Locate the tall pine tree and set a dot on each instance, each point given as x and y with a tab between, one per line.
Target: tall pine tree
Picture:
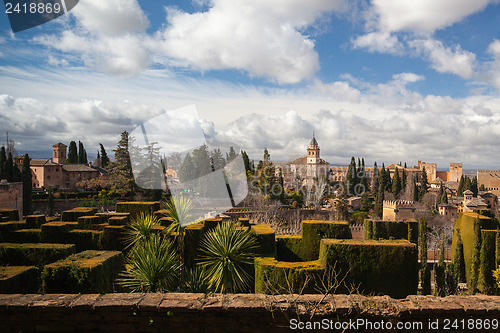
27	185
82	154
423	184
3	160
375	176
379	202
72	153
396	184
9	168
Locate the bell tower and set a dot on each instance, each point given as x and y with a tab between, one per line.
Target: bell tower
313	152
59	153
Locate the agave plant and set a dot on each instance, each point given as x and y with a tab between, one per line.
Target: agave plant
140	229
194	281
151	266
179	210
226	256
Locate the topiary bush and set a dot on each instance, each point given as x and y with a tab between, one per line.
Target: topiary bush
19	280
137	207
391	230
33	254
35	221
9	214
72	215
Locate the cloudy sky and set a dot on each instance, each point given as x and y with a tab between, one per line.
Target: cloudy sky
385	80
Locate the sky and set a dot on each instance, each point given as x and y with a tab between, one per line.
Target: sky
387	80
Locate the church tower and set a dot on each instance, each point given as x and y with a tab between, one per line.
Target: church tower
313	159
59	153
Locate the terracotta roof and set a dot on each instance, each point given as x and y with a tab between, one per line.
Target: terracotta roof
59	144
468	192
42	162
303	160
475	202
437	180
77	168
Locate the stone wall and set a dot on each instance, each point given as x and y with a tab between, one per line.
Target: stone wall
11	196
175	312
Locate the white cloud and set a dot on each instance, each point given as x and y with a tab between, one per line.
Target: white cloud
444	59
492	71
339	90
423	16
382	42
260	37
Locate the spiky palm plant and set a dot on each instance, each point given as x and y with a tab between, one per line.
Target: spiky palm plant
140	229
152	265
194	281
179	210
226	256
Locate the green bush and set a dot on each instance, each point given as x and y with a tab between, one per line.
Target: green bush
35	221
9	214
266	240
85	272
84	239
113	237
278	277
56	232
314	231
289	248
33	254
389	267
19	280
137	207
88	221
73	214
106	216
487	262
391	230
23	236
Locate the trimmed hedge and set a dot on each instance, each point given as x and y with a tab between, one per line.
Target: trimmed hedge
118	220
112	237
389	267
84	239
56	232
210	224
266	239
289	248
487	283
465	223
35	221
192	236
73	214
33	254
88	221
244	222
11	226
137	207
314	231
23	236
84	272
278	277
19	280
106	216
9	214
391	230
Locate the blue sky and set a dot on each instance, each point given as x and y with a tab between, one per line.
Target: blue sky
386	80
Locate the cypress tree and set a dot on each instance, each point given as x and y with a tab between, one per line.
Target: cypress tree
122	154
396	184
186	172
450	279
27	185
82	154
403	179
439	272
423	184
444	198
72	153
364	179
475	259
9	168
365	202
382	178
3	160
387	180
482	188
415	190
425	274
246	162
460	189
473	186
350	177
375	175
458	260
379	202
486	283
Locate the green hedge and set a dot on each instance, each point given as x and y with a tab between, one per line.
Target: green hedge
33	254
314	231
85	272
465	223
112	237
73	214
278	277
118	220
289	248
19	280
137	207
106	216
35	221
266	239
389	267
192	237
210	224
487	283
88	221
11	226
84	239
9	214
56	232
23	236
244	222
391	230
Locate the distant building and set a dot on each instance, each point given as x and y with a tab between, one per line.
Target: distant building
490	179
309	168
398	210
467	203
53	172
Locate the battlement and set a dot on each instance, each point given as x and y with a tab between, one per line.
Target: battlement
398	204
488	171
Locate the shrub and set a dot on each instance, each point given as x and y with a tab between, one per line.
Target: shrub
19	280
135	208
73	214
33	254
9	214
486	283
35	221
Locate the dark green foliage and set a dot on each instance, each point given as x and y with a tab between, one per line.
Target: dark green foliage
72	153
289	248
425	273
351	177
396	184
439	273
85	239
375	178
3	160
358	217
497	249
113	237
392	230
82	154
265	239
473	186
104	156
486	281
387	267
136	208
9	168
475	259
152	266
458	261
27	185
424	184
194	280
51	203
314	231
226	256
379	201
33	254
404	178
35	221
85	272
23	236
277	277
451	282
415	190
9	214
122	155
249	167
19	280
73	214
106	216
366	203
85	222
187	170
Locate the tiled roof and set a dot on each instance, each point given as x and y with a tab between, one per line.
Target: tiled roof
475	202
77	168
59	144
42	162
468	192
